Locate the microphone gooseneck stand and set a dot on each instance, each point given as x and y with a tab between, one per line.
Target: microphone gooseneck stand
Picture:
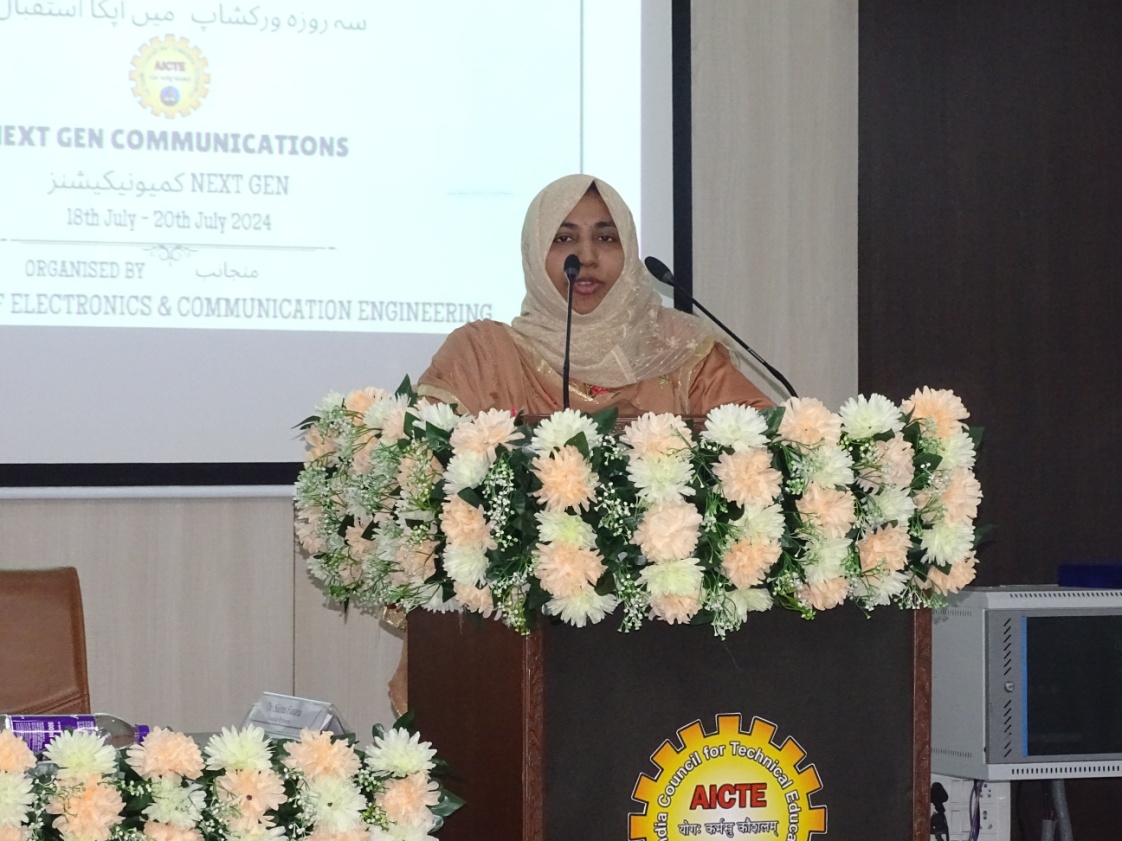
572	269
663	273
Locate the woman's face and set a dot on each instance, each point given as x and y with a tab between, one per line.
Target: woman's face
588	232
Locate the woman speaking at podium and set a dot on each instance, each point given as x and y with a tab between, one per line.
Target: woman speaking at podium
628	351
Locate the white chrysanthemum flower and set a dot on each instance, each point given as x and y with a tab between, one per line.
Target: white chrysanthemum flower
661	478
175	804
586	607
440	415
881	591
740	427
398	832
238	750
673	578
830	466
826	558
957	450
750	599
332	402
255	832
15	798
890	505
380	411
465	470
400	753
761	525
560	428
465	563
78	753
430	597
559	527
336	804
944	543
864	417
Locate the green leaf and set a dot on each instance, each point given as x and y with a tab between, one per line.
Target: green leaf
406	389
975	433
448	804
408	720
774	416
471	496
605	420
581	443
311	420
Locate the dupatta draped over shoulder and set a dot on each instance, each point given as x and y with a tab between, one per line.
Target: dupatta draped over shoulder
630	352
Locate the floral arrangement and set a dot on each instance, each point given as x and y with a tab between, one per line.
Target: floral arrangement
404	502
242	786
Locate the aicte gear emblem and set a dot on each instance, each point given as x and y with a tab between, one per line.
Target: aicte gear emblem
170	77
732	783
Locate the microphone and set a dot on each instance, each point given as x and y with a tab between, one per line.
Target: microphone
572	269
660	270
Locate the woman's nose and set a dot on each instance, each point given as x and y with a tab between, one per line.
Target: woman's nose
587	253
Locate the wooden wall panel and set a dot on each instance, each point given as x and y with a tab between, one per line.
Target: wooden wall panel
775	183
188	602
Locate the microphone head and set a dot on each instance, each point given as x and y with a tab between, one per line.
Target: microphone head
572	267
660	270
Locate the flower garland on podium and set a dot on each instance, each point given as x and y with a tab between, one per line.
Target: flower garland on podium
242	786
406	503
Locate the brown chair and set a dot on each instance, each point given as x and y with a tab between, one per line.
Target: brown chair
42	642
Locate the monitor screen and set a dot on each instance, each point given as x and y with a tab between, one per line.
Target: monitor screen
1073	685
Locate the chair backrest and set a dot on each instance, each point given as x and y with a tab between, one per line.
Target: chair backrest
42	642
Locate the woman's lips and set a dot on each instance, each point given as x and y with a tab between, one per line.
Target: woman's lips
586	285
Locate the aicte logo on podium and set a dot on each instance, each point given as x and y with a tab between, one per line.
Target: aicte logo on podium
731	783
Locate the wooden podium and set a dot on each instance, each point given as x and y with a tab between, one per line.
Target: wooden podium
547	735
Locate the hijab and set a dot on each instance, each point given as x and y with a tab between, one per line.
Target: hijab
630	336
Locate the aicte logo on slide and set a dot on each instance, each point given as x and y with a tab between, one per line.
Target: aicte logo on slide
732	783
169	76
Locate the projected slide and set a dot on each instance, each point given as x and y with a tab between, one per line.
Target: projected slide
214	213
348	166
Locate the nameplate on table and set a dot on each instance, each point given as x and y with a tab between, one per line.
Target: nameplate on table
284	716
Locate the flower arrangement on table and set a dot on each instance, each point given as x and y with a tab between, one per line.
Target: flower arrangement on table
241	786
403	502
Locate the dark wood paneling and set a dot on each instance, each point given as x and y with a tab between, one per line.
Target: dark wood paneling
990	262
990	252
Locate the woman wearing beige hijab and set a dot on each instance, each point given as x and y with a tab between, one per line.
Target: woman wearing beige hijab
628	350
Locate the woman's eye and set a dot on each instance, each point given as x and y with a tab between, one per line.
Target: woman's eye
563	238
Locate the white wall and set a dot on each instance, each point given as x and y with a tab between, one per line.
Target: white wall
193	606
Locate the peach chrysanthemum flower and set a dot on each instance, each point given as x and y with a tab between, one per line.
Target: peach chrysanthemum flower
407	800
253	792
747	562
360	549
87	809
318	755
363	460
747	478
897	468
15	756
15	833
675	610
465	525
941	408
652	434
961	497
164	753
476	599
318	445
565	570
485	433
320	833
958	576
669	531
884	550
567	479
807	421
170	832
307	530
417	561
831	511
361	400
823	595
